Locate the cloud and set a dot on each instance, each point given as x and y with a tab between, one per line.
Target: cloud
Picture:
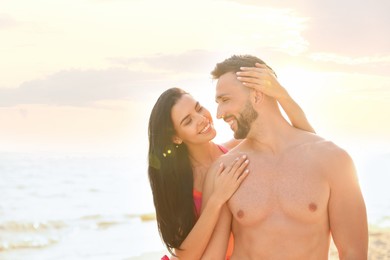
6	21
346	36
351	61
375	64
83	87
135	78
350	27
143	78
192	61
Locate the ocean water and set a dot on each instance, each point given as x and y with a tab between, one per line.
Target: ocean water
75	207
98	207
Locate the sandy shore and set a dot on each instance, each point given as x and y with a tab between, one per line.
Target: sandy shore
379	247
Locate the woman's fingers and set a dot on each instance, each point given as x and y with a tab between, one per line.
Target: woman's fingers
236	164
241	169
229	168
257	81
253	73
221	167
258	67
260	70
237	167
228	181
263	79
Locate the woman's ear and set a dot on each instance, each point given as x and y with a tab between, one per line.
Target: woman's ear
176	140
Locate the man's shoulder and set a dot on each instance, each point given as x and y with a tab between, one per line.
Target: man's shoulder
329	148
229	157
322	145
226	159
329	155
324	150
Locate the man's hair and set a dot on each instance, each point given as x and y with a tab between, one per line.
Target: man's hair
234	63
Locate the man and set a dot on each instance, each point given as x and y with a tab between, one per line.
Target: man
301	189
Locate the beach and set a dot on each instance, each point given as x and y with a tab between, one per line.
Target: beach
98	208
379	247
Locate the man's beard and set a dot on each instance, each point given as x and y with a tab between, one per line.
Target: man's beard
247	116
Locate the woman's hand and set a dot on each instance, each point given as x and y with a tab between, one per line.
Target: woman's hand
263	79
228	179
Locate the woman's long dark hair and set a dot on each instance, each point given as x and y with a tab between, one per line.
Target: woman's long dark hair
170	174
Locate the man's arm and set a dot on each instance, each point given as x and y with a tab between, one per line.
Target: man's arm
347	211
217	246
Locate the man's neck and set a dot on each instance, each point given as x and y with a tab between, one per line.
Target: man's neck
271	132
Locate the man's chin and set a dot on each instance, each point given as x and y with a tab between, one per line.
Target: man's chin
237	136
240	135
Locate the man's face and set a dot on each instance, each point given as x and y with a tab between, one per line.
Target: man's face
244	121
234	105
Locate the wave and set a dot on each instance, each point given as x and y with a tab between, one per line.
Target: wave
98	220
148	217
27	243
143	216
15	235
16	226
29	235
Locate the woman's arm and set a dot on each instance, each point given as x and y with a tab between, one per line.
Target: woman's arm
225	182
263	79
295	113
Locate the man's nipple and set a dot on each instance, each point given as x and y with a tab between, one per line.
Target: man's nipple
312	207
240	213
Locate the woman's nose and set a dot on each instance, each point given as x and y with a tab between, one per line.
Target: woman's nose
200	119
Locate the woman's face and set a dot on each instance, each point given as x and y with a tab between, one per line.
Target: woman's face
192	122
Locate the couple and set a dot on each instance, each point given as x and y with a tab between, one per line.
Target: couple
275	192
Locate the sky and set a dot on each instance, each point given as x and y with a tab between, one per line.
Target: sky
81	76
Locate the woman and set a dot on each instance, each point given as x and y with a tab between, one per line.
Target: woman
180	153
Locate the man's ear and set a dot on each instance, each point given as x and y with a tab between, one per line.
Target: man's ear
176	140
258	96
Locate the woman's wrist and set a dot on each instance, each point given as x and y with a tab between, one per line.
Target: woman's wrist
215	202
284	97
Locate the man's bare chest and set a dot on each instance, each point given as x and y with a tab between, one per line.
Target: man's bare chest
292	189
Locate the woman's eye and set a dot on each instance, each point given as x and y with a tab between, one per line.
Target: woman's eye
188	122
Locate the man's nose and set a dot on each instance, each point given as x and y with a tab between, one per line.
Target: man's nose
220	113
